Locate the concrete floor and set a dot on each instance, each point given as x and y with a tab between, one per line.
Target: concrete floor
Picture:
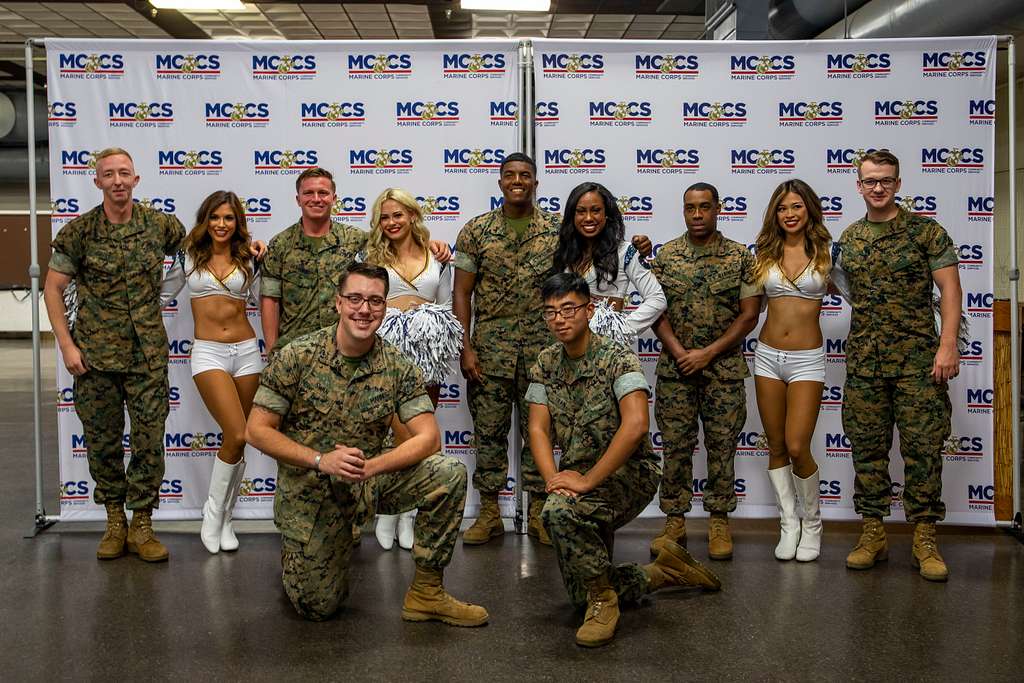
64	615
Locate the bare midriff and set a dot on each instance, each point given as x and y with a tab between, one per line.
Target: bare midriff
792	324
221	319
406	301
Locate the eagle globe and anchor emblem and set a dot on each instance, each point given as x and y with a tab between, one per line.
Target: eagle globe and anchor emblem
429	111
189	64
667	64
428	205
237	111
92	64
287	159
141	111
285	65
955	156
812	111
380	64
764	158
860	62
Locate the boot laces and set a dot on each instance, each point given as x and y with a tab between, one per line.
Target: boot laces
719	527
144	528
596	605
926	540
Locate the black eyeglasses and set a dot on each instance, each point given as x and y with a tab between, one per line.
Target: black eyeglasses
568	312
872	183
356	301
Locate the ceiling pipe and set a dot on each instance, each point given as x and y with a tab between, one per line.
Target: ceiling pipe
915	18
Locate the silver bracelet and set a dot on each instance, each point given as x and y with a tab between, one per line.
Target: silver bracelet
316	461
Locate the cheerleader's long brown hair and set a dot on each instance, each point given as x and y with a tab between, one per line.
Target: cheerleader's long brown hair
199	244
768	247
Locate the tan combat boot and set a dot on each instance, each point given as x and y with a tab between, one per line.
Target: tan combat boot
141	540
535	525
719	538
427	600
488	524
112	544
675	531
926	555
602	613
872	546
676	567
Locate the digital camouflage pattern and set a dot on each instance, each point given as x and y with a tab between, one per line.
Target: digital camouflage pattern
118	270
508	333
305	278
721	406
892	327
704	286
325	401
583	399
922	410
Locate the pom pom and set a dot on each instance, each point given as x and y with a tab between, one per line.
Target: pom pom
429	335
613	324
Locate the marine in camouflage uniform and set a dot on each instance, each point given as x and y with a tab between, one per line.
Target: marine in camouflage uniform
324	400
118	270
508	333
889	355
704	286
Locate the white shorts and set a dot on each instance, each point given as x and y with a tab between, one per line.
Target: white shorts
236	359
789	366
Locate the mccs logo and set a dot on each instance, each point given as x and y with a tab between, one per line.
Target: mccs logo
332	114
835	351
837	445
91	66
980	209
179	350
504	113
458	441
981	112
964	448
422	114
477	160
805	114
979	304
906	112
858	65
74	492
283	67
379	67
77	162
380	161
648	349
752	444
439	208
257	487
563	161
732	209
163	204
546	113
185	444
348	207
952	160
140	114
476	65
636	208
66	400
171	491
257	209
450	396
666	67
765	161
283	162
844	159
973	354
972	256
953	64
63	209
762	67
237	114
667	161
190	162
832	397
609	113
560	65
981	497
923	205
61	114
187	67
979	401
714	114
831	207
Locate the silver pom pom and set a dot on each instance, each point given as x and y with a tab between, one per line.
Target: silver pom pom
613	324
429	335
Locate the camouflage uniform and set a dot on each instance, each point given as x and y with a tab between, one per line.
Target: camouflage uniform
890	351
583	398
323	401
703	286
120	331
508	333
305	280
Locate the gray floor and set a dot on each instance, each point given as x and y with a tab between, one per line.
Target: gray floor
64	615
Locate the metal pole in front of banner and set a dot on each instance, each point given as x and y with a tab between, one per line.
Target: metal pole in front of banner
41	521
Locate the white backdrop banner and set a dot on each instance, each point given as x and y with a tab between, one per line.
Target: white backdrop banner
649	119
435	118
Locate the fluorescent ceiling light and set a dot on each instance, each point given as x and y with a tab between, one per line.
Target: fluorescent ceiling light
508	5
199	5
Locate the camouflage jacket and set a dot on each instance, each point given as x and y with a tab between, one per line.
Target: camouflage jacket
323	401
892	327
506	296
305	280
118	270
704	286
583	399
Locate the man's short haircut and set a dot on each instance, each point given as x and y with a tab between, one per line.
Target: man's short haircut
366	270
520	157
560	284
112	152
315	172
880	156
703	187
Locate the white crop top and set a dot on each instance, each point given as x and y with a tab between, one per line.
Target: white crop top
201	283
433	284
810	284
632	272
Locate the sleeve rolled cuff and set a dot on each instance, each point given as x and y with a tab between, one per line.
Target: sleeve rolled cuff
62	264
270	286
463	261
748	289
627	384
272	401
943	260
536	393
413	407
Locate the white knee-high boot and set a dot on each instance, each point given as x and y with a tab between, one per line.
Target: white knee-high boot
406	522
385	530
785	497
213	509
810	504
228	540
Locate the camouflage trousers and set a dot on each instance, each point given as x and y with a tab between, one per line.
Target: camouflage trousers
921	410
100	400
490	404
721	407
582	531
315	574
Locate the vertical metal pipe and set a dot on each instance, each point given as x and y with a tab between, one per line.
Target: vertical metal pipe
1011	66
527	106
33	272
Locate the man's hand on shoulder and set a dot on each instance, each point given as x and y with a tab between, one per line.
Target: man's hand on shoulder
441	251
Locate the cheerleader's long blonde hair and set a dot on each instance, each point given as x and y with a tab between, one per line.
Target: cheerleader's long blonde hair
379	249
768	247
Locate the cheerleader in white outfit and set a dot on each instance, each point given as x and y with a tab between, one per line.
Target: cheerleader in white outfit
591	242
